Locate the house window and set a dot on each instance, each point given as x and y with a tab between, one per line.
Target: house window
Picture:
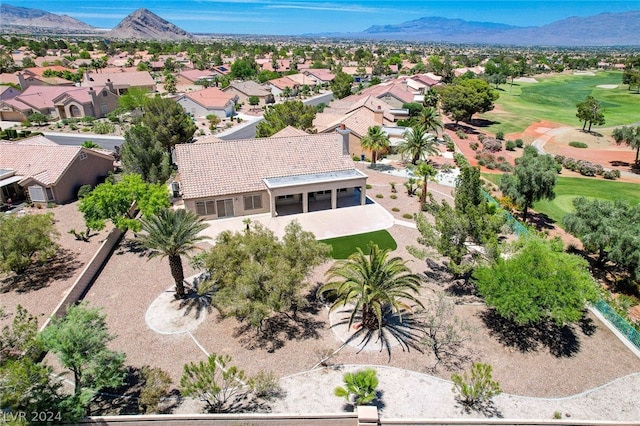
342	190
36	193
285	197
104	93
83	156
252	202
206	208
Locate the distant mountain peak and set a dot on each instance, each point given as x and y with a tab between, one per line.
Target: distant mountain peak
146	25
14	16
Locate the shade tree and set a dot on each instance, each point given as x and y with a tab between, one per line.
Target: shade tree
375	140
25	240
288	113
591	112
466	97
143	154
628	135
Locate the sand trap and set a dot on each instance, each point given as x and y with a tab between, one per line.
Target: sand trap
542	130
608	86
589	73
526	80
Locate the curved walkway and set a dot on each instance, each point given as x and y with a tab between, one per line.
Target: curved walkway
405	393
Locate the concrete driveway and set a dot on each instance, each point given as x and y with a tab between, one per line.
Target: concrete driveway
324	224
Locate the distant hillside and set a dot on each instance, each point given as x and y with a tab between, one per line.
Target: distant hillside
146	25
17	17
605	29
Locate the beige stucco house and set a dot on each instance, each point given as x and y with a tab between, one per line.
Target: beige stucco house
280	175
40	170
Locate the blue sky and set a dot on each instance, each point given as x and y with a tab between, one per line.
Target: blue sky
294	17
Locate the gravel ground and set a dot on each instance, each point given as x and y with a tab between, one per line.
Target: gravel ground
130	282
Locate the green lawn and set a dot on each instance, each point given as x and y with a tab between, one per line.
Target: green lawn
343	247
568	188
554	98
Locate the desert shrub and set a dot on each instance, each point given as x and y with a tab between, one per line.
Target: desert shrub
395	209
156	386
510	146
475	388
461	134
577	144
356	158
599	169
369	186
616	173
519	143
505	167
104	127
609	174
88	119
491	165
501	159
570	163
474	145
500	135
393	196
379	196
559	158
586	168
482	162
492	145
265	385
451	147
393	186
460	159
481	137
407	216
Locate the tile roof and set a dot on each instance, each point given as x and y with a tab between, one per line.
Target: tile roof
211	97
238	166
195	75
39	159
248	88
41	97
289	131
321	74
119	78
396	89
283	82
302	79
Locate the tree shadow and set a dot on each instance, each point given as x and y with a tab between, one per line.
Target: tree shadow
540	220
279	329
486	408
460	126
61	266
195	300
481	122
404	329
561	341
132	246
381	167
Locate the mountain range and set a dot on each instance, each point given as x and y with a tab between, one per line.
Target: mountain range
605	29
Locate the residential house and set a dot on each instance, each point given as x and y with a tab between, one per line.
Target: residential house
280	175
195	77
421	83
321	76
35	77
394	92
279	85
279	65
121	79
303	80
208	101
8	92
59	102
42	171
245	89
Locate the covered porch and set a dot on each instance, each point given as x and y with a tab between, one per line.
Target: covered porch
316	192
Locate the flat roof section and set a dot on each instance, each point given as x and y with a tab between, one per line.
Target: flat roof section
285	181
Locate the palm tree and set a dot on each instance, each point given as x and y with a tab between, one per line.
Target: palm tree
374	283
375	140
418	144
172	233
427	172
430	119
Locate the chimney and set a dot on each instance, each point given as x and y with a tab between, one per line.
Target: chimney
378	116
344	132
110	85
94	99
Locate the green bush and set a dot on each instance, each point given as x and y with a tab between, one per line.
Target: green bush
461	134
577	144
156	386
407	216
519	143
510	146
265	385
84	190
369	186
379	196
500	135
451	146
393	196
359	388
477	387
395	209
104	127
474	145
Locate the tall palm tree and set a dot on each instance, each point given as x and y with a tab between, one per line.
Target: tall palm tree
375	140
430	119
172	233
374	283
418	144
427	172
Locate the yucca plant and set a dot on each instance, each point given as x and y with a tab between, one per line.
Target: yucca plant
359	387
